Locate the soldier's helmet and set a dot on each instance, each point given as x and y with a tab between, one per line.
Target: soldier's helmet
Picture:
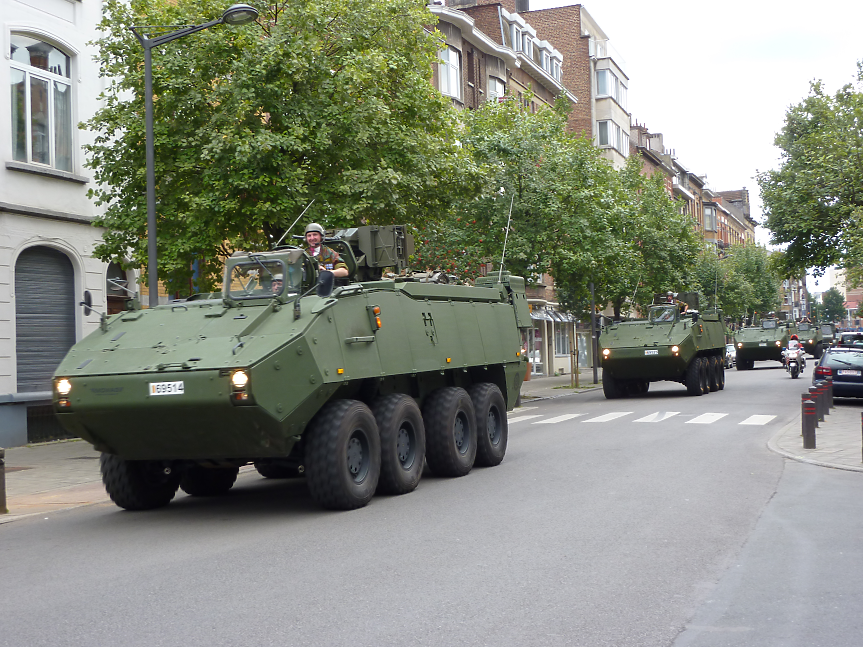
313	226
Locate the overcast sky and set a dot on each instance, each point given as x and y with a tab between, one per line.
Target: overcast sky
715	78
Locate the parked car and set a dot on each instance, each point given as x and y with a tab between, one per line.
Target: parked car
730	355
850	338
845	365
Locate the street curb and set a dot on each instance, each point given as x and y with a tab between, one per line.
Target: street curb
796	423
537	398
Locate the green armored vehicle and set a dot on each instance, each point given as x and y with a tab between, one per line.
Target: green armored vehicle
761	342
354	388
680	347
811	337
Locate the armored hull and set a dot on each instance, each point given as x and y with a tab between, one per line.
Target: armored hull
688	349
193	389
762	343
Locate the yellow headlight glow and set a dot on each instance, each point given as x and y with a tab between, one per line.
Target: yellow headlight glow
675	349
778	343
606	352
63	386
239	379
740	344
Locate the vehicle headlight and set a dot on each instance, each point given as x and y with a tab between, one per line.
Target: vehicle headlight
606	352
778	343
63	386
675	349
809	342
239	379
740	344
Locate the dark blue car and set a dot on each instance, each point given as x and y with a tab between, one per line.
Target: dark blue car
845	365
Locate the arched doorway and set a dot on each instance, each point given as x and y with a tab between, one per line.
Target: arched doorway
44	315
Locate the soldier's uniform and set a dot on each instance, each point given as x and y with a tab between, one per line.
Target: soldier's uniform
328	258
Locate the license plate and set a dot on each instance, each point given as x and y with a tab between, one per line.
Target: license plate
166	388
848	371
764	343
654	351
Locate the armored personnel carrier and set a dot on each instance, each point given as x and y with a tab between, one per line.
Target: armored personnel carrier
686	347
761	342
354	388
811	337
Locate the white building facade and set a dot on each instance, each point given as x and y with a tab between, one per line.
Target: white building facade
50	83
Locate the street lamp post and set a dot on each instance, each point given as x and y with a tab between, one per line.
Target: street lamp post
237	14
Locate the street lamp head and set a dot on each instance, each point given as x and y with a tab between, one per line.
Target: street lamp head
239	14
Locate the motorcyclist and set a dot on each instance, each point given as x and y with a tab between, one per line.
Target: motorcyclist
794	344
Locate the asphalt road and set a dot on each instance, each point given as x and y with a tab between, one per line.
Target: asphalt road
659	526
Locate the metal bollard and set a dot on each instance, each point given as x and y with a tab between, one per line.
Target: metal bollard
3	508
809	424
822	400
829	381
813	395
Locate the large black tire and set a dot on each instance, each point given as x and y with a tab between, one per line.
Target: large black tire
277	470
693	377
705	375
343	455
741	364
450	423
713	367
492	431
138	485
611	387
403	443
208	481
721	374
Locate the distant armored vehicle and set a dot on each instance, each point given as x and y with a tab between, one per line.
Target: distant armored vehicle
828	333
762	342
680	347
811	337
355	388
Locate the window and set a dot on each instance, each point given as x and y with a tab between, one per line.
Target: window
561	339
608	85
709	219
450	72
516	37
555	70
611	135
496	87
41	103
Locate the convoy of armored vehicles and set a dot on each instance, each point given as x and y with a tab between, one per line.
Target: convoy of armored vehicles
355	389
762	342
675	343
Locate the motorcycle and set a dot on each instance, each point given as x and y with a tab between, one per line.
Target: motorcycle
794	362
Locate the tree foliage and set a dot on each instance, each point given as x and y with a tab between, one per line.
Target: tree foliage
833	302
741	281
323	99
814	201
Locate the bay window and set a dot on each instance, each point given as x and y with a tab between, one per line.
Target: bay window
449	70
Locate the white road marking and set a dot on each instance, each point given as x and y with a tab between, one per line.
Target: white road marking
609	416
520	418
563	418
706	418
520	410
659	416
757	420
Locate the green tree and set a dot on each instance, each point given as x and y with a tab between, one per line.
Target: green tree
744	280
330	100
833	302
814	201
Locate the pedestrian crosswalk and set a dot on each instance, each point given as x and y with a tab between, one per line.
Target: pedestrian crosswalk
708	418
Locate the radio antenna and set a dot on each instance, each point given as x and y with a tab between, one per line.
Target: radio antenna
505	238
295	222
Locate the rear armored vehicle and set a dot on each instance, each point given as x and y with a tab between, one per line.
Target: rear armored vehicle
686	347
762	342
354	387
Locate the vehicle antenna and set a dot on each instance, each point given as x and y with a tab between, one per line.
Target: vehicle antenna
505	238
295	222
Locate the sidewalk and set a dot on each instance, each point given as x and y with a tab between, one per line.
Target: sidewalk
50	477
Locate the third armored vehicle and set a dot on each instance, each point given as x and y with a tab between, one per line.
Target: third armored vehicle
812	338
762	342
688	348
355	388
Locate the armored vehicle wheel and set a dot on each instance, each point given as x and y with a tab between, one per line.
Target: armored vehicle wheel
492	431
720	366
713	363
208	481
693	377
343	455
277	471
705	375
403	442
644	387
450	423
138	485
611	387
